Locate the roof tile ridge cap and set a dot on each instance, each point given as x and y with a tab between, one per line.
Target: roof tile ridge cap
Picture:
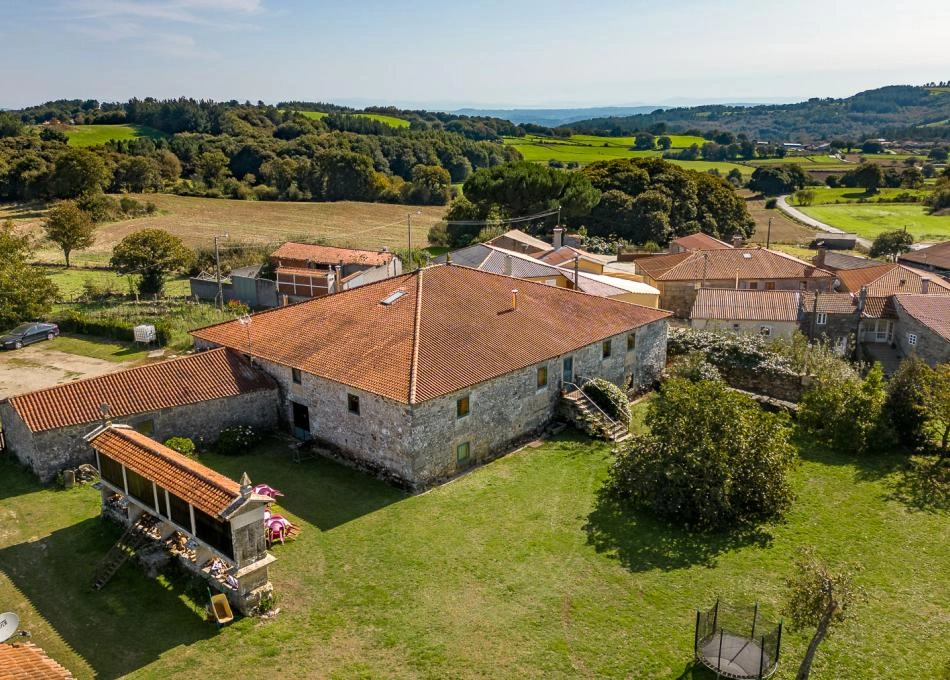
179	461
120	372
417	323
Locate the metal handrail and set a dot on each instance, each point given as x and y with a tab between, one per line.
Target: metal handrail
592	402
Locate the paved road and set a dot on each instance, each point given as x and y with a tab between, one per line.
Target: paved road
812	222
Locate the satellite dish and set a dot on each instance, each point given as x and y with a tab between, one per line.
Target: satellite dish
8	625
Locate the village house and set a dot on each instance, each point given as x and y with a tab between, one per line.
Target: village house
934	259
195	396
679	276
155	489
520	242
305	270
697	241
922	326
769	313
421	376
831	318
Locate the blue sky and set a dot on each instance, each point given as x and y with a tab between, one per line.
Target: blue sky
448	54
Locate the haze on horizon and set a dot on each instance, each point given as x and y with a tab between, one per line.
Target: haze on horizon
448	55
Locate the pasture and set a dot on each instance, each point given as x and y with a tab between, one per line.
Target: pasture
518	569
870	219
197	220
96	135
824	195
392	121
74	282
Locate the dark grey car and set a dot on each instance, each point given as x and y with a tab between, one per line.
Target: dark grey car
27	333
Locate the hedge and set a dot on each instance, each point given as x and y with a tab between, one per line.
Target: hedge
609	398
76	322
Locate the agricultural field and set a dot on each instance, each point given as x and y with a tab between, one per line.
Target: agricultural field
813	162
870	219
392	121
197	220
95	135
518	569
825	195
74	282
784	229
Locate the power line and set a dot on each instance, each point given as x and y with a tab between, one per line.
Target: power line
507	220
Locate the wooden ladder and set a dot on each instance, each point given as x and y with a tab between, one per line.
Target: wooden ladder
131	540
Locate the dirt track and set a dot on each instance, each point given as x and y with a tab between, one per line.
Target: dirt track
37	366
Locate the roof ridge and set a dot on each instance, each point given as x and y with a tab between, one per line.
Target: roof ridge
178	460
416	324
133	369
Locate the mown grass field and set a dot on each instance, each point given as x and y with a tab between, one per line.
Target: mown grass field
197	220
99	348
379	117
518	569
72	282
826	195
870	219
95	135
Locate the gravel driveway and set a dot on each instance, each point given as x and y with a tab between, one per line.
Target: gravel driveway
36	366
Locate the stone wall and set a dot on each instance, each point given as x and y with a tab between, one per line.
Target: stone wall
783	387
50	451
779	329
930	347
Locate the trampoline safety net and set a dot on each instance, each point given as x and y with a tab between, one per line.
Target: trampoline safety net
735	642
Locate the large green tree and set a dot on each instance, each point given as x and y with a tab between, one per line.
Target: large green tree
772	181
705	467
868	176
69	227
26	293
151	254
78	172
891	244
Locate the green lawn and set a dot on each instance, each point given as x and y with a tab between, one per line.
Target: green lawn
808	162
388	120
824	195
72	282
870	219
98	348
516	570
94	135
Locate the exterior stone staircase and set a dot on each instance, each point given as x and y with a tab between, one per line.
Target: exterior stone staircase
134	537
586	415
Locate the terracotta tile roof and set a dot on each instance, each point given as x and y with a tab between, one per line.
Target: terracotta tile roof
937	255
933	311
723	264
328	255
177	382
830	303
746	305
876	308
453	327
890	279
26	661
699	241
565	254
519	236
207	490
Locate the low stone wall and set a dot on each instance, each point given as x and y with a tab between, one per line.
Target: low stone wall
782	387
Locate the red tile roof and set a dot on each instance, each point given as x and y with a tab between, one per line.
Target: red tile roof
725	263
699	241
207	490
746	305
304	252
889	279
452	328
831	303
177	382
26	661
933	311
937	255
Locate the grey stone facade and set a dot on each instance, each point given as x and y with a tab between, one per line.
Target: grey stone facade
839	330
417	445
930	346
49	451
679	296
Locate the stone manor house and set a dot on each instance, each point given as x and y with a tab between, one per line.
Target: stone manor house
416	377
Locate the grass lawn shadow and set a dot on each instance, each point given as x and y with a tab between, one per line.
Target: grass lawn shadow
924	484
319	491
642	543
17	479
130	623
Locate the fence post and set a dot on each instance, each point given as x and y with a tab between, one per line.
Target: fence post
755	615
695	637
719	657
761	657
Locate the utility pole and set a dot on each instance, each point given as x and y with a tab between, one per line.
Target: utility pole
768	236
217	270
409	240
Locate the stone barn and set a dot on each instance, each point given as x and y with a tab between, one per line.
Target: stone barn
195	396
421	376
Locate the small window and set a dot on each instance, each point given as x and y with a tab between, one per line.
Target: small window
463	453
770	285
605	349
765	331
822	318
550	282
542	377
911	339
353	404
753	285
631	342
462	407
295	375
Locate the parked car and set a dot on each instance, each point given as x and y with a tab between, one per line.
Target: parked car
26	333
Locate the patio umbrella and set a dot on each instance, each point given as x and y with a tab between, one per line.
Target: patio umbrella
267	490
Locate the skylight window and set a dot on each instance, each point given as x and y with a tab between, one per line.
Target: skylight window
747	256
392	297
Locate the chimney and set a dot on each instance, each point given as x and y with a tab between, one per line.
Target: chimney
737	240
338	285
577	266
558	237
924	284
246	487
448	258
514	299
820	257
506	267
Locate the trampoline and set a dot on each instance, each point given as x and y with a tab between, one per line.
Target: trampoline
737	643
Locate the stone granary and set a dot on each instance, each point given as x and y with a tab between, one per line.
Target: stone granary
420	376
221	520
195	396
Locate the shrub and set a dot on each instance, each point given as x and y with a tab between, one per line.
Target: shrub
610	398
694	367
771	203
713	458
236	440
439	234
182	445
906	402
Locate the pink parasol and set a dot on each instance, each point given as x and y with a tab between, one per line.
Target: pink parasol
267	490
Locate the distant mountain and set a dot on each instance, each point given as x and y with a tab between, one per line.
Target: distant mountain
555	117
902	111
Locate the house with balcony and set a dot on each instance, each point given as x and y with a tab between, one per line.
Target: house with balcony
304	270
